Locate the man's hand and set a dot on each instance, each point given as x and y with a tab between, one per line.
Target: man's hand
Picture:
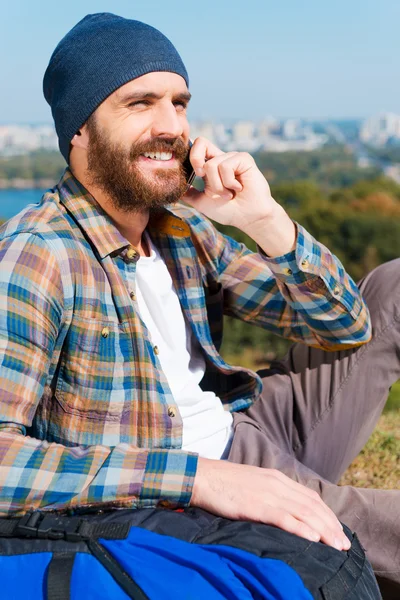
243	492
237	193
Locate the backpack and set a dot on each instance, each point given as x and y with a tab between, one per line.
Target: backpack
188	554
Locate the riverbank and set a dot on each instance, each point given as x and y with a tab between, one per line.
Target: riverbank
18	183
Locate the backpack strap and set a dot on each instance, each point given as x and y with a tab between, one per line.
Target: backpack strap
125	581
59	576
51	526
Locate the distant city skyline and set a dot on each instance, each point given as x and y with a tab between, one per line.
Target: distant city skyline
269	134
364	139
308	60
49	121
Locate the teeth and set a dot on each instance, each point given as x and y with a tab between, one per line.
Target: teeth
158	155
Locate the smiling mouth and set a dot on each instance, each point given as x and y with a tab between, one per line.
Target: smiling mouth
159	156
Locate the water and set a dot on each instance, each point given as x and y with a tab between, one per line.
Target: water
12	201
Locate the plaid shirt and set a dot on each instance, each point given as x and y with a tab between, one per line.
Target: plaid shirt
86	414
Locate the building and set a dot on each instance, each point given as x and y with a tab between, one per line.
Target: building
380	129
21	139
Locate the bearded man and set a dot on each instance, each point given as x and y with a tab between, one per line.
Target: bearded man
113	391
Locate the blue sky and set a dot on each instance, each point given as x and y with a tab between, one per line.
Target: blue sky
246	58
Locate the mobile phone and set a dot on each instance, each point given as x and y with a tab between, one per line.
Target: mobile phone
191	178
189	171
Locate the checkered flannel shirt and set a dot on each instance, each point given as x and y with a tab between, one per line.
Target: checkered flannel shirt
87	418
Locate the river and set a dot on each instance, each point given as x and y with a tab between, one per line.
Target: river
12	201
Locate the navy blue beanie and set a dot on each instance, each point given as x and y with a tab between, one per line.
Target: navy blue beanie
101	53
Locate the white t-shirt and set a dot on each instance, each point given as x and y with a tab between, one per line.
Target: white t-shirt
207	427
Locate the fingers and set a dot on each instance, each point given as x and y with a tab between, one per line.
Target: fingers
289	523
201	151
312	495
315	524
221	175
214	184
226	172
318	522
217	167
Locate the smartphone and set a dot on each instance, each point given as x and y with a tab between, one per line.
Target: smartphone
191	177
189	171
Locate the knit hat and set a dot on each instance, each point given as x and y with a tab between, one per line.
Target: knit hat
101	53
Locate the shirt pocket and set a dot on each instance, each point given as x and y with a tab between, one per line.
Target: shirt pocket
92	377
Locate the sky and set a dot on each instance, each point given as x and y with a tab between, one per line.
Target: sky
247	59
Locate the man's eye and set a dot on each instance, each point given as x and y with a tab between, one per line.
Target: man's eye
139	103
181	105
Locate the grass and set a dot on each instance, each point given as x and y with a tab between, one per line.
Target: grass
393	402
378	464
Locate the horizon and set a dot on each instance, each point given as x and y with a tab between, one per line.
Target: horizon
226	121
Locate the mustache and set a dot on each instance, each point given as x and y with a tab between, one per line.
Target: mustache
176	145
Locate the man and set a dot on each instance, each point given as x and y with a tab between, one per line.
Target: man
113	392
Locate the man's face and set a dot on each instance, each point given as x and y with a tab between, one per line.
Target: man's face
138	141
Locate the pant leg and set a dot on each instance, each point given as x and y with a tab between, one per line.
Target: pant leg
325	405
318	409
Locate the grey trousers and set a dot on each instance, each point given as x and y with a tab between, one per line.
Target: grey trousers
316	412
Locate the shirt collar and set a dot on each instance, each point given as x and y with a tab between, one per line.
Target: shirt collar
97	224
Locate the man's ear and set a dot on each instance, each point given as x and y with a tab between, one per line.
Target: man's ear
81	138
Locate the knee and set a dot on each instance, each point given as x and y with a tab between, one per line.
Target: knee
381	288
387	272
385	278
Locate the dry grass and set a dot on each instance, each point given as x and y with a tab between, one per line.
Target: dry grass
378	464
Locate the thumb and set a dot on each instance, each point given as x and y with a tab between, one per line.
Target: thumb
194	198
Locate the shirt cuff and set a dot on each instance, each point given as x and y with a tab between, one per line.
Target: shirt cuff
297	266
314	268
168	479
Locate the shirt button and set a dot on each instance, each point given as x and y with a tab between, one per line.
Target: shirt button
305	263
156	350
131	253
337	291
104	332
132	295
287	271
171	411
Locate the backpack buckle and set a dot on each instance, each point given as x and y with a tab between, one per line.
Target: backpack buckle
51	527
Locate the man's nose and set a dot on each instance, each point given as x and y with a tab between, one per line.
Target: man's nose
167	122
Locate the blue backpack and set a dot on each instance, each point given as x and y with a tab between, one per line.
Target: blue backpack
163	554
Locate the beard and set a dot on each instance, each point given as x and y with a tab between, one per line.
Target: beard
117	173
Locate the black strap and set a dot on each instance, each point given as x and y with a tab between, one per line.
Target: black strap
7	527
59	576
44	525
114	568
